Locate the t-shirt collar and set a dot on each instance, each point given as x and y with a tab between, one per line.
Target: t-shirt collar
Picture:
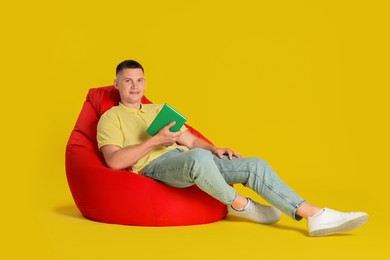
132	109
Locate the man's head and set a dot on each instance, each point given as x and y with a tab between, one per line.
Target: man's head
130	83
128	64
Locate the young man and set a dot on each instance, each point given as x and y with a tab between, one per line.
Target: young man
180	159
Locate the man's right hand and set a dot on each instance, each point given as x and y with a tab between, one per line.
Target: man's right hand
167	138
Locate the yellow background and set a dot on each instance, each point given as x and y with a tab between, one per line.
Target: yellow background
302	84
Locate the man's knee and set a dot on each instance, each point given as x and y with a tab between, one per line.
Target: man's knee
199	154
260	164
198	161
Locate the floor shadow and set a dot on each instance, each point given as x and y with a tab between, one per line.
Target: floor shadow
69	211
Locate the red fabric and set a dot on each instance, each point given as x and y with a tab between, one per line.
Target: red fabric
122	197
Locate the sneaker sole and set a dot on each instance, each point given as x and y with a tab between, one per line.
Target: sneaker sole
347	226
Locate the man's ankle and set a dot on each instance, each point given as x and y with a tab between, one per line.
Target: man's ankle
307	210
239	203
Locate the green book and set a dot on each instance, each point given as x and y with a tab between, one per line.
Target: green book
166	115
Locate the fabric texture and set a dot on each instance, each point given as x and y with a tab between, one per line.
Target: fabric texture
122	197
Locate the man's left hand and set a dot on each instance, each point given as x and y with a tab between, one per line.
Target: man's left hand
220	152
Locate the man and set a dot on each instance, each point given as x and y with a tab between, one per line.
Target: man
180	159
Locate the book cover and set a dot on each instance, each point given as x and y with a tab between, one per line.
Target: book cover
166	115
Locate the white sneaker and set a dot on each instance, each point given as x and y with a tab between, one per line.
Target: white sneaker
257	212
328	222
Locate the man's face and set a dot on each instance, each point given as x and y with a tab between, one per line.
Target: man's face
131	86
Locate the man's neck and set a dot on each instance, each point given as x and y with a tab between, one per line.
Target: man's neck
137	106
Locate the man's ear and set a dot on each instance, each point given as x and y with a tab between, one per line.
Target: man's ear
116	83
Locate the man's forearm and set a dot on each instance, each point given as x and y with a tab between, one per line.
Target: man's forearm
199	143
122	158
128	156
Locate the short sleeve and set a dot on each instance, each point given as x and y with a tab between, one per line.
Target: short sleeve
109	130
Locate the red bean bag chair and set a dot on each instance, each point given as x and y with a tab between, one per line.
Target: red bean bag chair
120	196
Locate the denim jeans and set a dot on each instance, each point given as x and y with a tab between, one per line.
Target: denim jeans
213	175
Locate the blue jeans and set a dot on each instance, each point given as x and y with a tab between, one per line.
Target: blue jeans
213	175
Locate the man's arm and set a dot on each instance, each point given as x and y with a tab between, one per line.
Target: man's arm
192	141
123	158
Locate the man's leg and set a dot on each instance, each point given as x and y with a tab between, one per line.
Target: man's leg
184	169
197	166
256	174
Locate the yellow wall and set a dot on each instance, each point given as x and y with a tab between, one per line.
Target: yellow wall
302	84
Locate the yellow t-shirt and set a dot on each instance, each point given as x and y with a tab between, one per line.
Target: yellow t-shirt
125	126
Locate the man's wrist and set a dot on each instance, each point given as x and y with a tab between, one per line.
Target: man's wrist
153	142
214	149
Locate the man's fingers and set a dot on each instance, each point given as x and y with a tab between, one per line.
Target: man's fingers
220	152
177	134
236	155
171	124
230	155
